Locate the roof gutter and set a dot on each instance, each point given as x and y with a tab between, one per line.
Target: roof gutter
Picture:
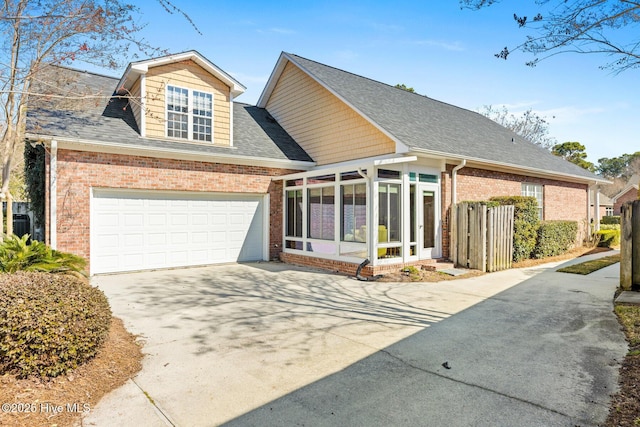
172	153
540	172
454	181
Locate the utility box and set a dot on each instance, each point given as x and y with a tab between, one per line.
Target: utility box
21	224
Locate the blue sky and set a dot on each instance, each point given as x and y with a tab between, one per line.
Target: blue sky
435	47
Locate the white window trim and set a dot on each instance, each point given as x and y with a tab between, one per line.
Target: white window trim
541	201
189	113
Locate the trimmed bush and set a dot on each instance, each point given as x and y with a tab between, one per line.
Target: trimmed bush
610	220
609	226
487	203
555	238
49	323
18	255
608	238
526	223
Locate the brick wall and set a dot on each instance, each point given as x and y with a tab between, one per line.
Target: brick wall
348	268
79	171
562	200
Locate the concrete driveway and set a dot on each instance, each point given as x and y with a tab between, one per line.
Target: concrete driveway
271	344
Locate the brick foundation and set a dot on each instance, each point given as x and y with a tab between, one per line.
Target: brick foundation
347	268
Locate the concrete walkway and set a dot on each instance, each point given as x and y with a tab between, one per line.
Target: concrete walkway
270	344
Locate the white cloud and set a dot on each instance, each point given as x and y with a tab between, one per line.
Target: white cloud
452	46
278	30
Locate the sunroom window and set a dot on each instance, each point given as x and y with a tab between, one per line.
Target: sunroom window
294	213
321	211
389	202
354	213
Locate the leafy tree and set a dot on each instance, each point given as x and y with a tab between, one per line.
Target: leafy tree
528	125
623	166
37	34
579	26
404	87
575	153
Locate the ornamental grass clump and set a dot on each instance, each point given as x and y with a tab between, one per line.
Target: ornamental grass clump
49	323
17	254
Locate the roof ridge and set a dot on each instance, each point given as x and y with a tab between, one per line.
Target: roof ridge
410	93
360	76
84	71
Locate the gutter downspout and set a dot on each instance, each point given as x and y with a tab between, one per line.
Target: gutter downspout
53	203
454	184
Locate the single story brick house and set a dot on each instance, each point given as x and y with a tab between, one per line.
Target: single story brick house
328	169
628	193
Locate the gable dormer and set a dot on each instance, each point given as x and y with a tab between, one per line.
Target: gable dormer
182	97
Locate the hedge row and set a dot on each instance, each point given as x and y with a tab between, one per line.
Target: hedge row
555	238
610	220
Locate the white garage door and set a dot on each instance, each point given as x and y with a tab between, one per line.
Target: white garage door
147	230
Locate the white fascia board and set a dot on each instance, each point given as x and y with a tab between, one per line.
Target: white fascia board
273	79
507	167
401	147
349	166
135	69
173	153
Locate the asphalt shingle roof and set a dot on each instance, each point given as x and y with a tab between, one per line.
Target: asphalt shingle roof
109	119
424	123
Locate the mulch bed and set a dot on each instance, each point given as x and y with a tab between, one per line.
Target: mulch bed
61	401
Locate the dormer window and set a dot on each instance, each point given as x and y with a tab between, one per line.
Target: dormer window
189	109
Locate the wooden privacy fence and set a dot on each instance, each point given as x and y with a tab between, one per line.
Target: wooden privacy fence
630	246
482	237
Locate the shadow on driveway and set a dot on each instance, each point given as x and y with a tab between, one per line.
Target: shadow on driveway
270	344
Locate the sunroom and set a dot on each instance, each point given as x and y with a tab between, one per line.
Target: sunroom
386	210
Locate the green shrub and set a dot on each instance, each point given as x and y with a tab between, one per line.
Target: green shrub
488	203
411	269
609	226
555	238
49	323
610	220
18	255
526	223
609	238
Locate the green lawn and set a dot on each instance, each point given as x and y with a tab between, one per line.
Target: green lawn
591	266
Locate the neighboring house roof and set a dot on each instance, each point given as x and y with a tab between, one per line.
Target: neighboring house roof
632	184
604	200
108	121
429	126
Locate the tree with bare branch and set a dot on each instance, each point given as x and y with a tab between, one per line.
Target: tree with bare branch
40	34
578	26
528	125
